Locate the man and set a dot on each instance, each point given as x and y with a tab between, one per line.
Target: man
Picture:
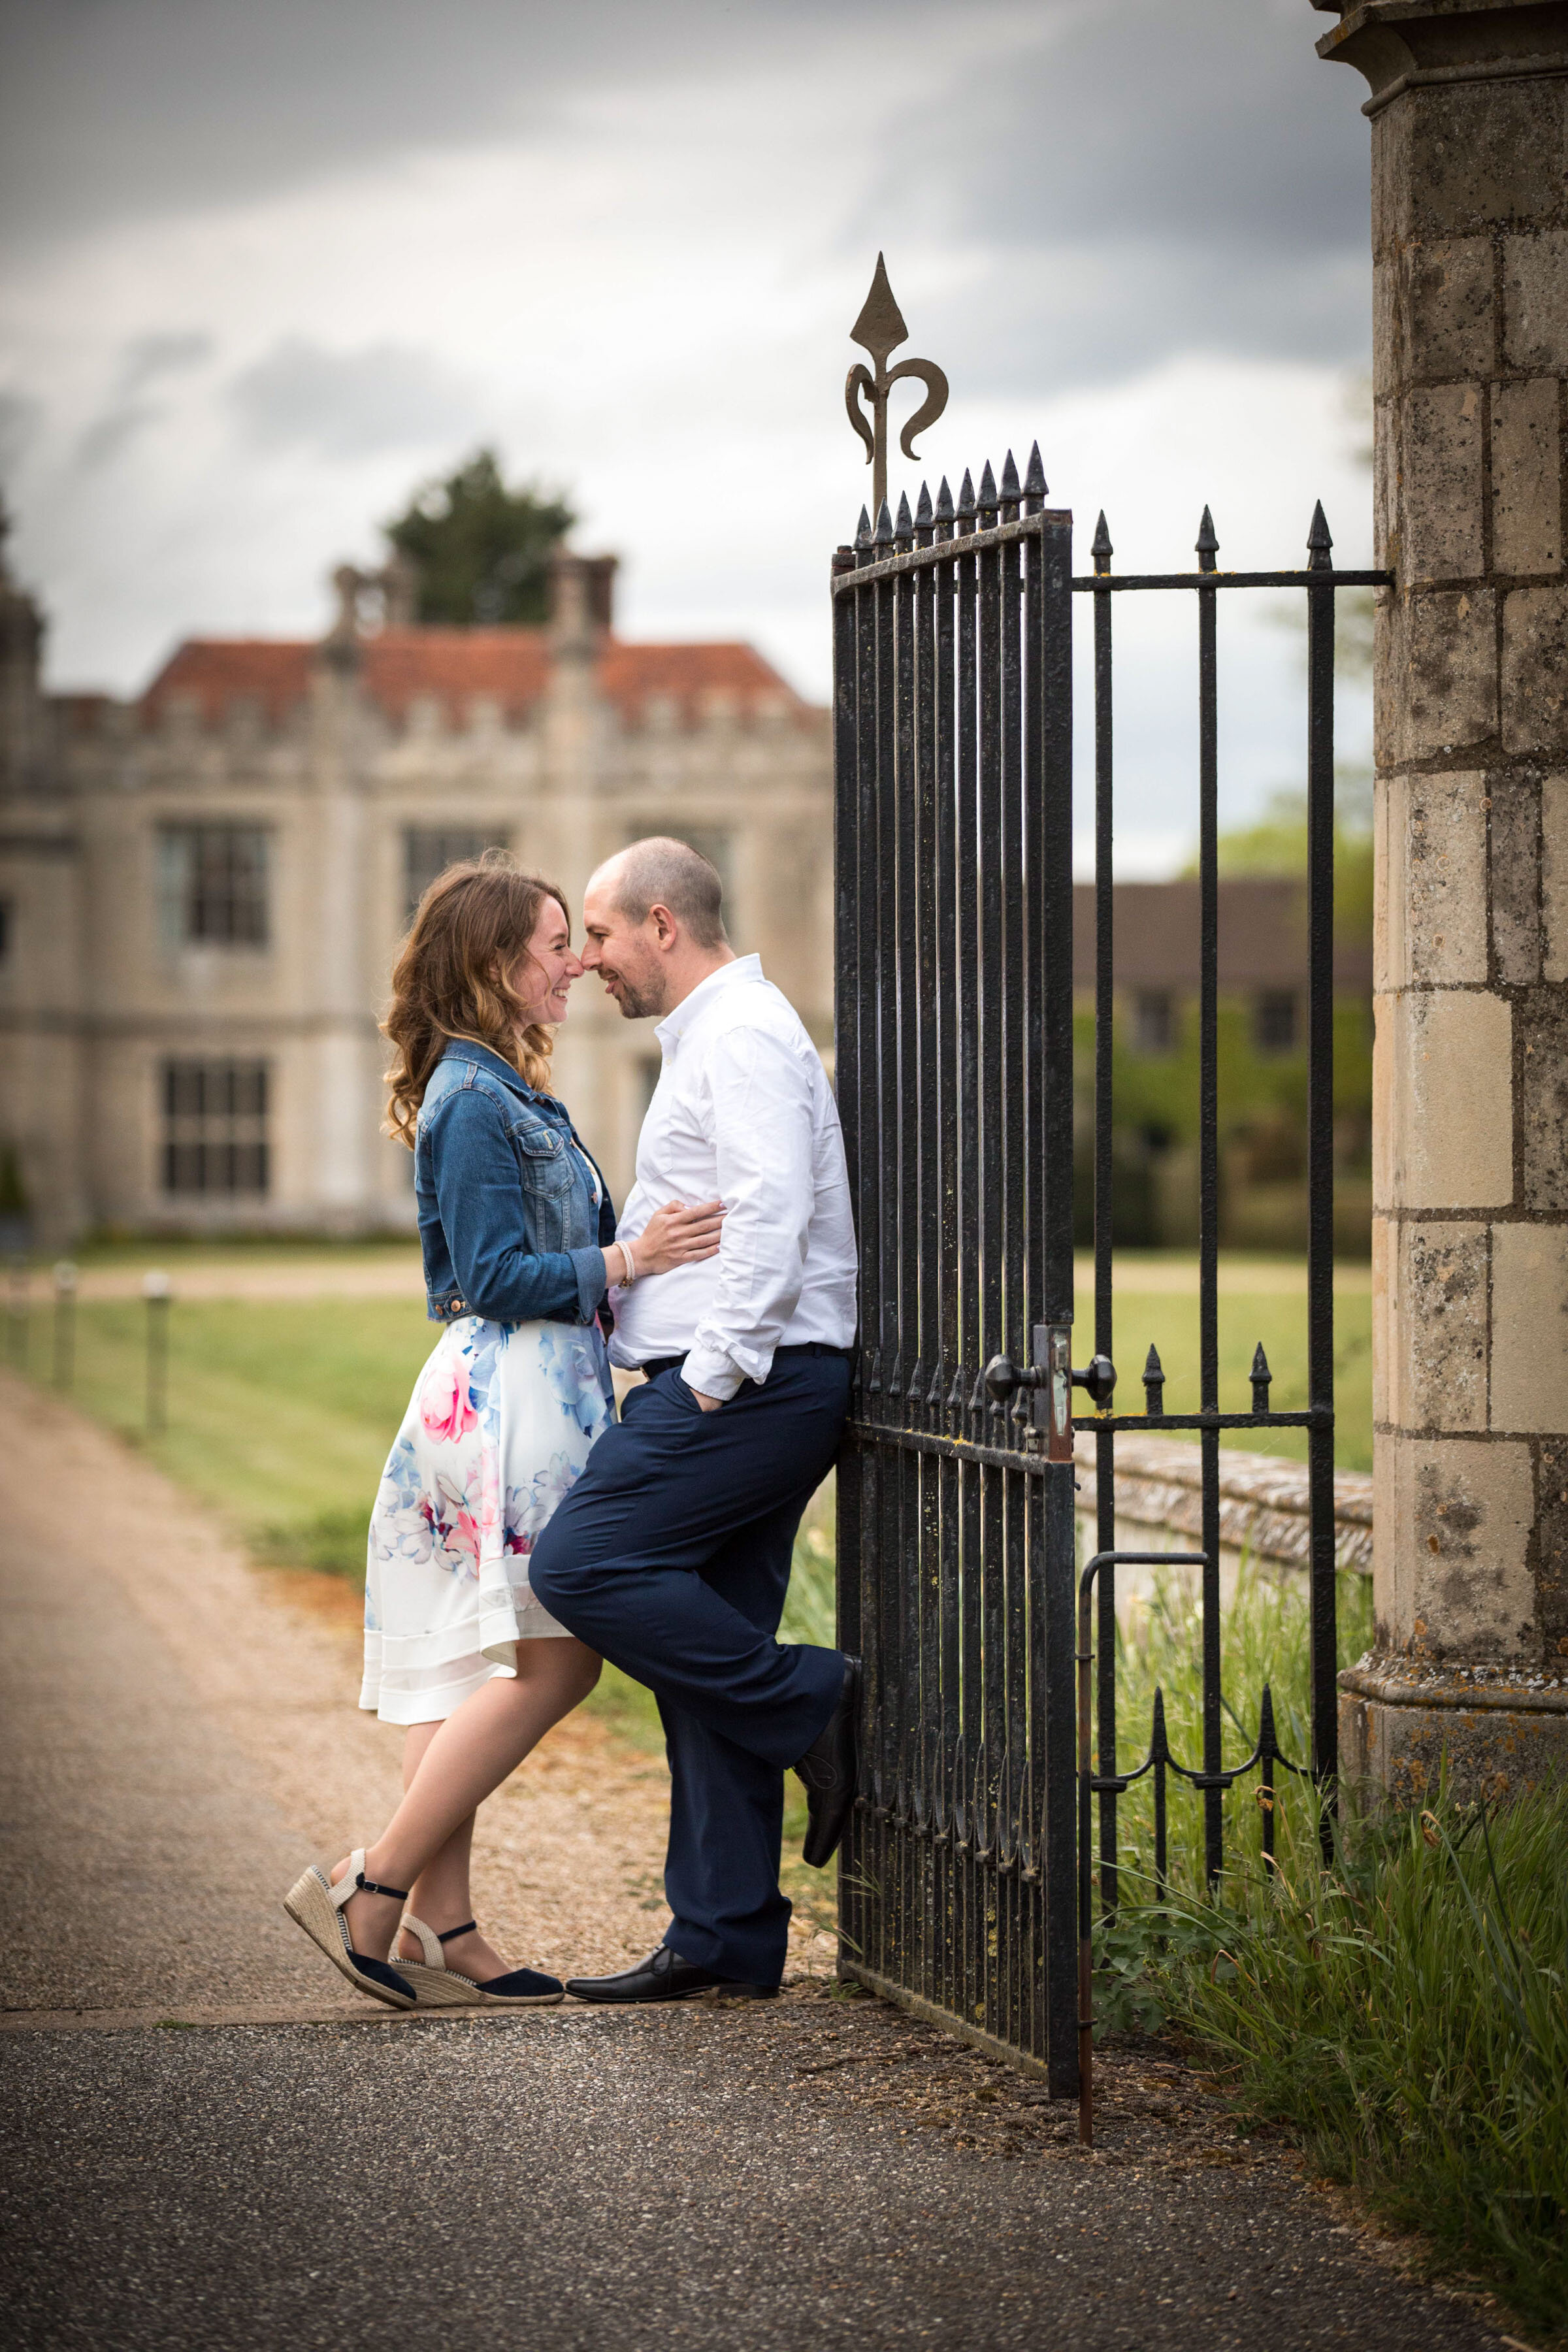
671	1554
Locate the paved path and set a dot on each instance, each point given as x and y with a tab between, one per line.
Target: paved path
298	2167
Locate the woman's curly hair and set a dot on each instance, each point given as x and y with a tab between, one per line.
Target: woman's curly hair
450	980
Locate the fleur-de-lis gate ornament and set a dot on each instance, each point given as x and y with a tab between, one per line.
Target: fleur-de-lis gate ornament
879	329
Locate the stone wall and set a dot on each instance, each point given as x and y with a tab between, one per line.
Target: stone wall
1469	206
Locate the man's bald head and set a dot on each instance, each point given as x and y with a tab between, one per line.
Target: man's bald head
664	872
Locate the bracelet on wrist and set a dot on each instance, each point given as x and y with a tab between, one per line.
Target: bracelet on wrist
629	1261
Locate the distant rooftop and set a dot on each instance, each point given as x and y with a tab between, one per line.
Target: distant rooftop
508	666
1262	935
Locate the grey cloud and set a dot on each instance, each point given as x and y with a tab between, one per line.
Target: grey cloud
20	418
142	361
161	353
169	106
1145	179
349	404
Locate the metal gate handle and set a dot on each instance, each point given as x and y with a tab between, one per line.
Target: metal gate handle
1003	1378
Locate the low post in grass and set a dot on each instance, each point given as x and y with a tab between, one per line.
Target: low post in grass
155	1291
1468	108
18	1299
64	1324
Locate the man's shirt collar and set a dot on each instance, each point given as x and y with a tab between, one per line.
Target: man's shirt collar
675	1024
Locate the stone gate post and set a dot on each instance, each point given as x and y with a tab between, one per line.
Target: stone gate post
1469	218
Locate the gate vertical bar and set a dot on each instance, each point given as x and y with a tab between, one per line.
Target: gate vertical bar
1104	1321
873	1251
889	1481
968	1414
1321	1164
904	1114
1208	1179
1036	1955
848	996
927	1472
992	1218
946	1378
1016	1320
1055	718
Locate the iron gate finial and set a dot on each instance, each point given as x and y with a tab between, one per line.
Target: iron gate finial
879	329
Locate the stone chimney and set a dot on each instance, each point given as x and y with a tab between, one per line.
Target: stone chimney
582	602
23	734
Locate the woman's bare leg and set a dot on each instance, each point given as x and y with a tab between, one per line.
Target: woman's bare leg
458	1765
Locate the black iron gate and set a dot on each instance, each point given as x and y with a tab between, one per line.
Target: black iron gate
953	716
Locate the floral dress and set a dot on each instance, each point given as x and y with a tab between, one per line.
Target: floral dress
497	1431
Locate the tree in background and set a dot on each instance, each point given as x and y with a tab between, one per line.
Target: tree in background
481	551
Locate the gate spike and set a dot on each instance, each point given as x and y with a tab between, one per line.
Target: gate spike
863	535
922	509
1034	482
1267	1738
1010	491
1206	543
987	500
1319	539
1101	545
1154	1385
938	1380
944	502
1261	1377
1159	1745
884	526
966	495
955	1393
904	528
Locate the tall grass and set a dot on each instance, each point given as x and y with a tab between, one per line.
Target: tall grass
1406	2010
1406	2013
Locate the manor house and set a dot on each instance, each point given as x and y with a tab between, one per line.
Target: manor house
202	890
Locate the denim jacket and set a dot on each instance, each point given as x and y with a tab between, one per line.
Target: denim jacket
507	1220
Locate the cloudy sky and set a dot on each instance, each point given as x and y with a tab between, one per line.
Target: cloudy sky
264	268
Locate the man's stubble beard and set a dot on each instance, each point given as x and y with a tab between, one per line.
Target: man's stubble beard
645	1002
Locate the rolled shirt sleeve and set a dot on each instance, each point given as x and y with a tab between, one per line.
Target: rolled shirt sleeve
477	1192
762	1100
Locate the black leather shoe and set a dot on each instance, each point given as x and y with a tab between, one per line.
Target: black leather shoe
665	1976
828	1768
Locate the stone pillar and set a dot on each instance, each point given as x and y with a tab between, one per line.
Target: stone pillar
1469	144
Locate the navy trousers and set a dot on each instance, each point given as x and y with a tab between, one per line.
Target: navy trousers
672	1558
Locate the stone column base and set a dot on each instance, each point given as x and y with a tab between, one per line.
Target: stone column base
1500	1730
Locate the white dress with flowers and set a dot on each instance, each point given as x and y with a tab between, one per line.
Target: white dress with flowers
497	1431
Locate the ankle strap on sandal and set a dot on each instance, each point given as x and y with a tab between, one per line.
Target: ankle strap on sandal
355	1882
363	1885
452	1934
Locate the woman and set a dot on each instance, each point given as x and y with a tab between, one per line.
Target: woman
518	1235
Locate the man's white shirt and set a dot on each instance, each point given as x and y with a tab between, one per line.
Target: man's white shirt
743	1113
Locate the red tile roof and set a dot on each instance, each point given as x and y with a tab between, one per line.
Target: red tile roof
508	666
214	672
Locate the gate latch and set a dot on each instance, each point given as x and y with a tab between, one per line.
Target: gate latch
1052	1376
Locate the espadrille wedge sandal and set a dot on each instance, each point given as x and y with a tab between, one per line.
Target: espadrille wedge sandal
438	1987
315	1904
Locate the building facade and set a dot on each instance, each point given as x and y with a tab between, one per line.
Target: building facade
202	890
1261	1067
